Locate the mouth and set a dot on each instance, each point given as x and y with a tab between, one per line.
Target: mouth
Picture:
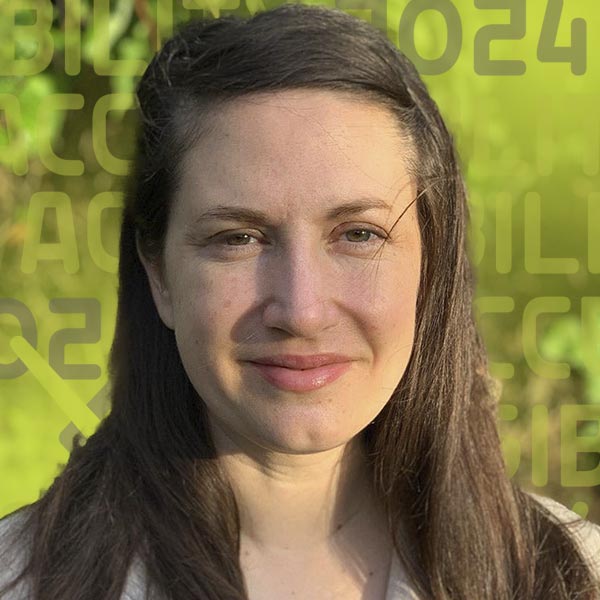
301	379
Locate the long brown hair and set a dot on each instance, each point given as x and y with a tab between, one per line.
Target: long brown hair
148	484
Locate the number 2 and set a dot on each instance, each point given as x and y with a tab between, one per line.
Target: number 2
515	30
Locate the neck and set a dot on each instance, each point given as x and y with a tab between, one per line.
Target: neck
298	503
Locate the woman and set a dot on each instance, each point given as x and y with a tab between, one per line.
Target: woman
300	401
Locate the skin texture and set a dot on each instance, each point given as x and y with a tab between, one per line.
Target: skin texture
300	284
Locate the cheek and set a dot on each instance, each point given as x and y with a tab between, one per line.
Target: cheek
207	307
392	321
388	293
391	315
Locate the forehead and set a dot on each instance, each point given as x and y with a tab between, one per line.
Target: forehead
297	149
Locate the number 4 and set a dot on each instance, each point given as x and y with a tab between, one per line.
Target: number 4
548	51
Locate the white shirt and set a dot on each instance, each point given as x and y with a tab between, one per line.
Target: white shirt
586	534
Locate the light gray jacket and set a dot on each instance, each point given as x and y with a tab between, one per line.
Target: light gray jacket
587	535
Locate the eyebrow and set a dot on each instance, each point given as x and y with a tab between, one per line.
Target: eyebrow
247	215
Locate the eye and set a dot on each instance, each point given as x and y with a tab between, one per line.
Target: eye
237	239
362	234
360	239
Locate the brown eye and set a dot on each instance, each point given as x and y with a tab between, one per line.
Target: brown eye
232	240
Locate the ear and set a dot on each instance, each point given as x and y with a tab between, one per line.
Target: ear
158	288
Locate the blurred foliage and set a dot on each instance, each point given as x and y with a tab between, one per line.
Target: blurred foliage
515	135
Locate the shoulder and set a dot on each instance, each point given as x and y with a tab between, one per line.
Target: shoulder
12	555
585	533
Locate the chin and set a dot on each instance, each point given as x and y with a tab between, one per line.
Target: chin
302	438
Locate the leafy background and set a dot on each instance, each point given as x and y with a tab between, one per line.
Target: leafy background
523	139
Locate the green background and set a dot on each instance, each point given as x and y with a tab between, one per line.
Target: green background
530	149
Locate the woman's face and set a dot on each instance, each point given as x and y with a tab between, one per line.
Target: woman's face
305	275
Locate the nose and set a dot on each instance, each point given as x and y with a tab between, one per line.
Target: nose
300	293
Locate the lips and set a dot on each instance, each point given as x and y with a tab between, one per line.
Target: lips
296	373
298	361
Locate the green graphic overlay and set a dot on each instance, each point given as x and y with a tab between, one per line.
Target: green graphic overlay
519	86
